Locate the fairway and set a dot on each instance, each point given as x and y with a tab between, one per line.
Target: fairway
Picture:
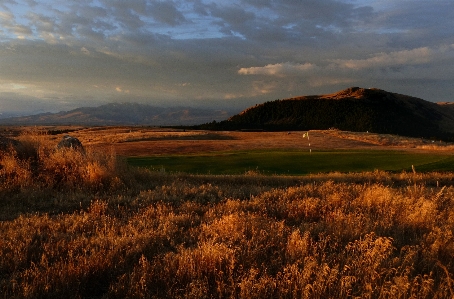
271	162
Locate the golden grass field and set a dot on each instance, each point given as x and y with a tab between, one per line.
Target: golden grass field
88	225
142	141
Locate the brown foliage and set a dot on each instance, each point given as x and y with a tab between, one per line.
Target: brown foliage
80	226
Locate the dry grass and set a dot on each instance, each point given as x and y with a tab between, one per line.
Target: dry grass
144	141
391	140
62	169
87	226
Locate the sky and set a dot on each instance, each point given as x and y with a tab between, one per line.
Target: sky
57	55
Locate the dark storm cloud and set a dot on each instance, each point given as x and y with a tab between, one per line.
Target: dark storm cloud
166	12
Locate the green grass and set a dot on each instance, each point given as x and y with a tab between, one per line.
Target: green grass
444	164
292	162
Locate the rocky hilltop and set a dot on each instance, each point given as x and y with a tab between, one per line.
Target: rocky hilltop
353	109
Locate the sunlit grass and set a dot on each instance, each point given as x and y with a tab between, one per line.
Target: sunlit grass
88	225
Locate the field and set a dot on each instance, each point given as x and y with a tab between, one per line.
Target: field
278	162
91	225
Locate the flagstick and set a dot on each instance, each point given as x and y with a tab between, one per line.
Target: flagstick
304	136
310	150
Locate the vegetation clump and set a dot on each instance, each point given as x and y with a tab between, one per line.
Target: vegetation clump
89	226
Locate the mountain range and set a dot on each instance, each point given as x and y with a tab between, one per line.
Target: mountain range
353	109
123	114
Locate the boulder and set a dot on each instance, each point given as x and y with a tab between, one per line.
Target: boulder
69	142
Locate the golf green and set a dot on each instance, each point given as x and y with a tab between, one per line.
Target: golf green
293	162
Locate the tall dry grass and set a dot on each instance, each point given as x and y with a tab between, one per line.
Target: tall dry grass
43	165
87	226
39	177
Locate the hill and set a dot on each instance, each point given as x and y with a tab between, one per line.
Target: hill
122	114
353	109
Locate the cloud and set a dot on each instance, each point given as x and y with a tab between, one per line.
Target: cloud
418	63
280	69
167	13
233	15
6	18
121	90
85	51
200	51
406	57
264	87
10	26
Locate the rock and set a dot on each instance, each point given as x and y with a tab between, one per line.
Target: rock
69	142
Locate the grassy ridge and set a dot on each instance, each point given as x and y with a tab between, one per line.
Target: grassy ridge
292	162
353	109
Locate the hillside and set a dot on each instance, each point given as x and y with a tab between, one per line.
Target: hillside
122	114
353	109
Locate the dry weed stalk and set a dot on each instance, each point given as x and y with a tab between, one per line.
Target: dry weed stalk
100	229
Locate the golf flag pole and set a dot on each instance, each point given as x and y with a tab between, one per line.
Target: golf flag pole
307	135
310	149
